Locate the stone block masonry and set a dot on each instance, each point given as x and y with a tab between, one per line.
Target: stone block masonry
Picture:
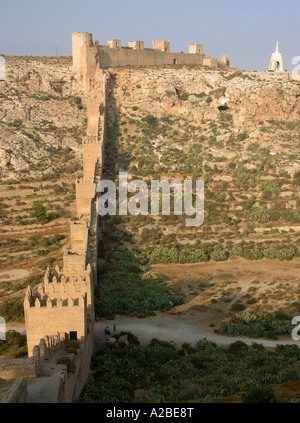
136	45
49	315
163	46
92	151
85	192
196	49
79	39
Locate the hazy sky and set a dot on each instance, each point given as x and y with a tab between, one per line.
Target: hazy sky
245	30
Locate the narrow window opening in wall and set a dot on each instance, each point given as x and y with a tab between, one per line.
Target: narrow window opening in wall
277	64
73	336
174	61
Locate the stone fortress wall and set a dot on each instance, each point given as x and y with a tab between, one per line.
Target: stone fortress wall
88	56
62	309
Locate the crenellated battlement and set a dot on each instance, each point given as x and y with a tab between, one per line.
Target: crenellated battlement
47	302
89	141
62	303
60	313
48	346
60	282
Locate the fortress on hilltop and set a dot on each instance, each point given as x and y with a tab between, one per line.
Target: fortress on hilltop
88	56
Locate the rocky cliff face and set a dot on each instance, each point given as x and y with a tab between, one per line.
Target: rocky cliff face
197	94
42	116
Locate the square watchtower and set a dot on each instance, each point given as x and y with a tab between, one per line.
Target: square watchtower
115	44
196	49
161	45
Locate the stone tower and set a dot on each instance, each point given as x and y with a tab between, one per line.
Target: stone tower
276	64
79	39
161	45
196	49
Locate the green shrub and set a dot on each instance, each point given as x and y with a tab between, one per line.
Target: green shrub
125	287
12	310
280	315
15	345
242	136
151	120
270	186
258	214
184	96
238	347
235	74
251	301
163	374
256	324
219	254
192	256
39	211
72	347
163	255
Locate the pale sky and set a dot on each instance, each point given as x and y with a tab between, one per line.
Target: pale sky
245	30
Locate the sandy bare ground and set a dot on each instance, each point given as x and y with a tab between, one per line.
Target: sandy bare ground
14	274
234	279
234	268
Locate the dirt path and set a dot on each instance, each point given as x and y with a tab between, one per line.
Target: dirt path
178	329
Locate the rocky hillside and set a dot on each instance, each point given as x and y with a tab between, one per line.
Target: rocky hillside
42	123
198	95
42	117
